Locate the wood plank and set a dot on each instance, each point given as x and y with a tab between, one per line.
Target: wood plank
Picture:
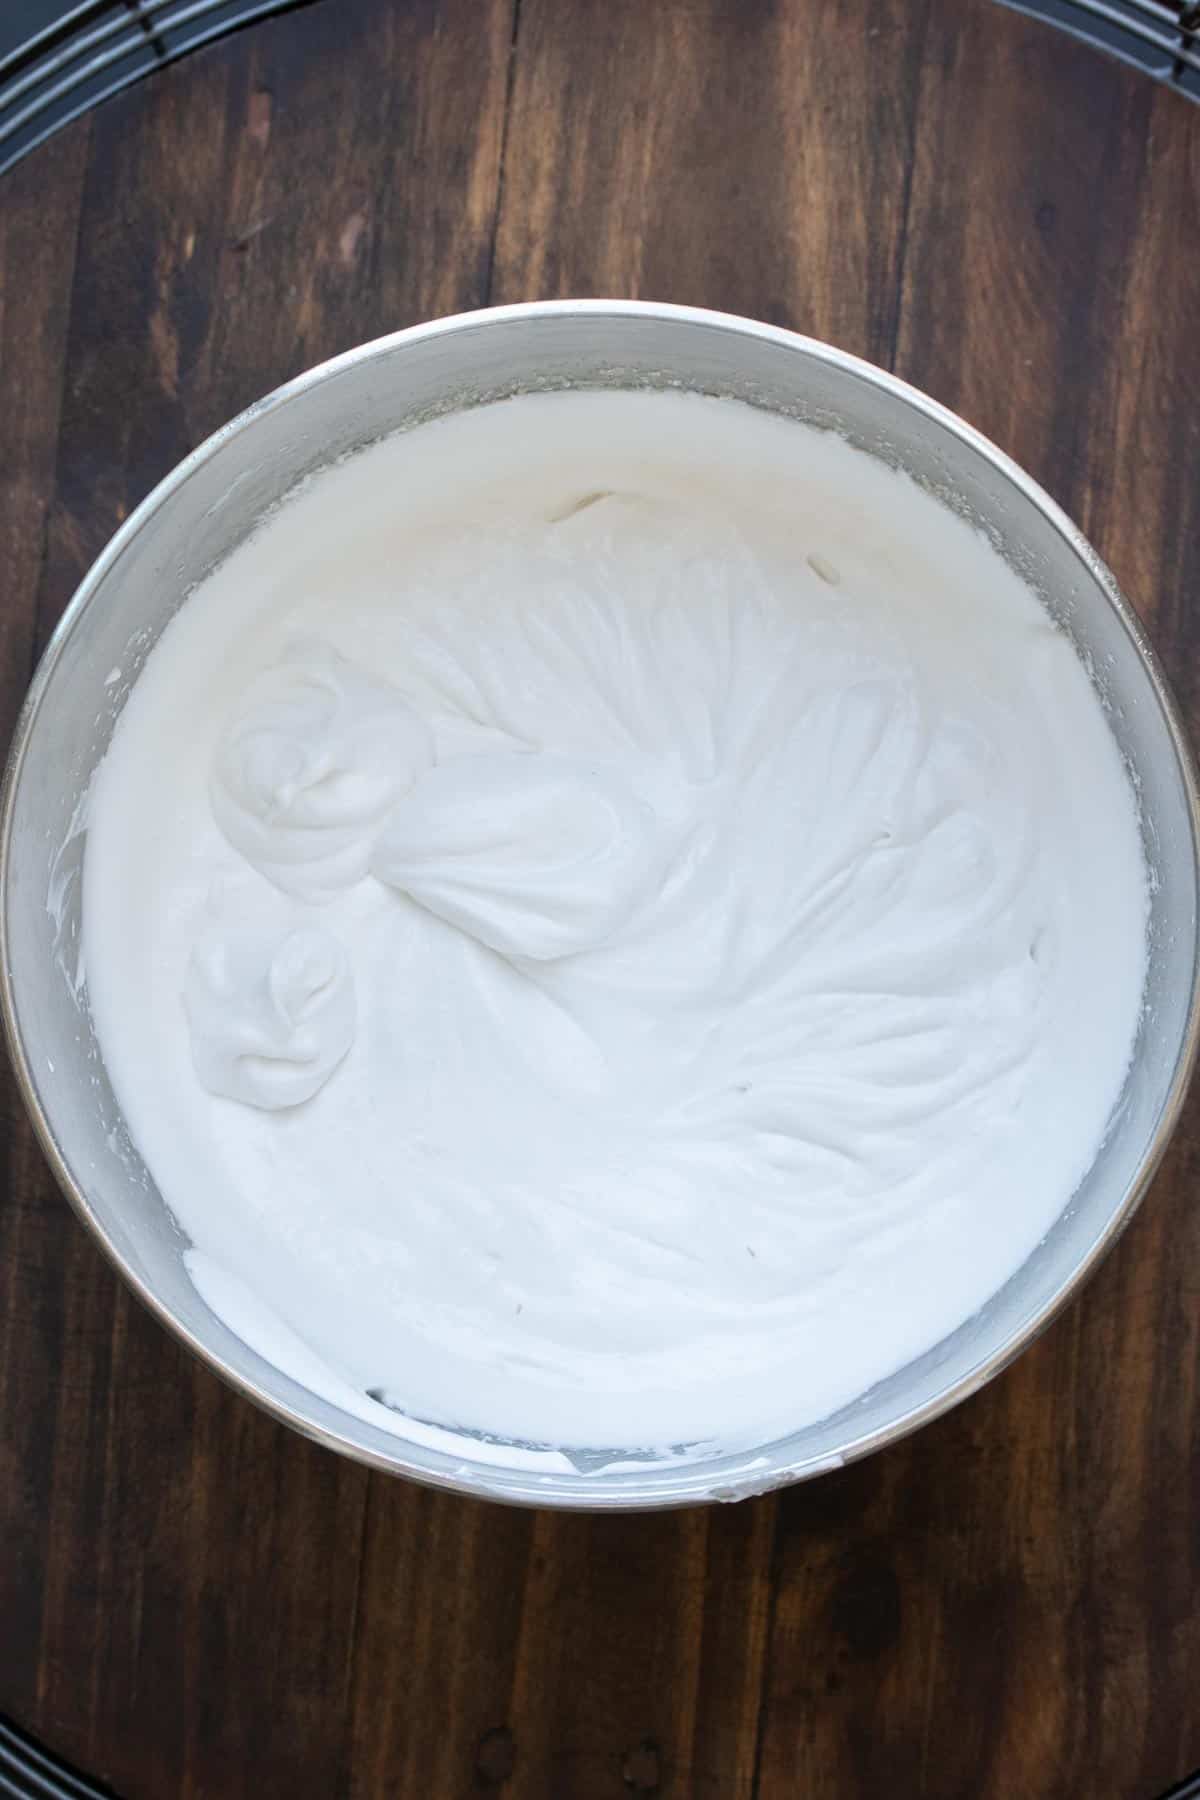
1008	1603
440	1605
38	224
557	1655
729	153
625	1631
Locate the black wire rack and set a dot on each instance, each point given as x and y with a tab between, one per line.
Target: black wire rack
60	60
56	61
27	1772
1161	37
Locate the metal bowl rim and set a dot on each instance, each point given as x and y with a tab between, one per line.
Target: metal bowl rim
668	1487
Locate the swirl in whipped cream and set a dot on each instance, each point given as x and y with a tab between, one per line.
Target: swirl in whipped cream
271	1013
310	765
537	856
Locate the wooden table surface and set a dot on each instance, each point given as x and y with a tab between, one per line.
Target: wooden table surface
193	1601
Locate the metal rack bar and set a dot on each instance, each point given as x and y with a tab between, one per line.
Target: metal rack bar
1163	39
27	1772
98	48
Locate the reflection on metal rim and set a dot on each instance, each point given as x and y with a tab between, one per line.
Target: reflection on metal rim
92	50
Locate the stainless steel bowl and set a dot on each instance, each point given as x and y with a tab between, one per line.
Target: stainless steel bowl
209	503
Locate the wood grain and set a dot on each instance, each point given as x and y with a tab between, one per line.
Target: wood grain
37	252
195	1602
727	153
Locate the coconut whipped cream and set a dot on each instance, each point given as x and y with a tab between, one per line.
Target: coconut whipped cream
613	919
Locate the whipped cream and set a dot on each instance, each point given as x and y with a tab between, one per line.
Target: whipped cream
615	921
310	767
271	1012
